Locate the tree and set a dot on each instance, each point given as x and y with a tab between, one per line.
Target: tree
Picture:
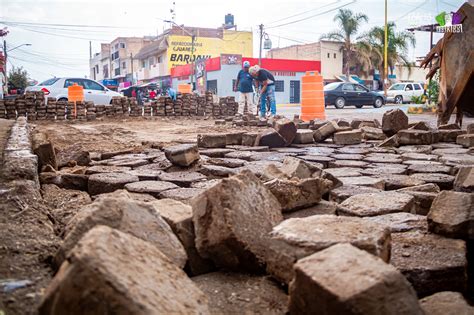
18	78
372	46
349	24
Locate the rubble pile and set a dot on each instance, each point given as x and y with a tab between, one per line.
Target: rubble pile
309	217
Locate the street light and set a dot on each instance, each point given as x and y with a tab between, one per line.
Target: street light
193	39
17	47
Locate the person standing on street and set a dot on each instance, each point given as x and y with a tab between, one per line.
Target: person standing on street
266	81
244	84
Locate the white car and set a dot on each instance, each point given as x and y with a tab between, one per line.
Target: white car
403	92
93	91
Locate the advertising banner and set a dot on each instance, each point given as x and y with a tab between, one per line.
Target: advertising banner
180	47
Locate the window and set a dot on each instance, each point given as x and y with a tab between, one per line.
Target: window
331	86
159	59
91	85
122	45
212	86
143	63
348	87
417	87
116	46
49	81
279	86
97	69
117	71
409	87
334	55
397	87
105	71
70	82
115	55
329	55
124	65
151	61
360	88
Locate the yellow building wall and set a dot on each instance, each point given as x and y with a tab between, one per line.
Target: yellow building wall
233	42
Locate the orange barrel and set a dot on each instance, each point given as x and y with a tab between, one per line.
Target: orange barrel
312	96
75	93
184	88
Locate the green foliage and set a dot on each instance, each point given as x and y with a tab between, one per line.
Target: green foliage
433	89
349	24
417	99
18	78
373	43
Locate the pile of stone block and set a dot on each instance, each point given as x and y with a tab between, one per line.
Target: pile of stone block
135	109
346	225
80	110
178	106
30	98
100	111
60	110
147	110
91	111
51	108
3	113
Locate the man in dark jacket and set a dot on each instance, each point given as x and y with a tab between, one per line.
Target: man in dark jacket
266	81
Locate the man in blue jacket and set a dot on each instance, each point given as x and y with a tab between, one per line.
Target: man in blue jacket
244	84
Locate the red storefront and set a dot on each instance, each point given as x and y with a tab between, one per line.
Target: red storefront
218	74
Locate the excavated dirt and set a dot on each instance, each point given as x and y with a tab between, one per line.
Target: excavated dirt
113	135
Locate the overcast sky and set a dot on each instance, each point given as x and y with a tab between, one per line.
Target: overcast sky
59	50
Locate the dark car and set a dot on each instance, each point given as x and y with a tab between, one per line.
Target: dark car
341	94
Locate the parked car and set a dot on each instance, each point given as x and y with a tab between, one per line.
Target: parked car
403	92
93	90
341	94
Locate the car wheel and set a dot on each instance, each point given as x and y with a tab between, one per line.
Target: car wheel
378	102
359	106
398	99
340	103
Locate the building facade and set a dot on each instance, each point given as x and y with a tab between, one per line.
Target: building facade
219	74
123	63
99	64
173	48
328	53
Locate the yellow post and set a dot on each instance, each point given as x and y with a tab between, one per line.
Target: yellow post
385	61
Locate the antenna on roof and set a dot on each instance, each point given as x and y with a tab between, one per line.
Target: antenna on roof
173	12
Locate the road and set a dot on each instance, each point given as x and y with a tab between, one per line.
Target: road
367	112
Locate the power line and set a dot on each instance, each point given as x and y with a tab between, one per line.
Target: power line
305	12
67	25
312	16
411	11
61	35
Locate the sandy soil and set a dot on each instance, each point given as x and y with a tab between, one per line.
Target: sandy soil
112	135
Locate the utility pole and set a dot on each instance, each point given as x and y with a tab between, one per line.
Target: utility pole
5	66
385	61
131	65
193	64
260	49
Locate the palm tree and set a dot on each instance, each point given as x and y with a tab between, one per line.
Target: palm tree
371	45
349	24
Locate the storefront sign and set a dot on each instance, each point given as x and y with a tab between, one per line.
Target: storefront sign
231	59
